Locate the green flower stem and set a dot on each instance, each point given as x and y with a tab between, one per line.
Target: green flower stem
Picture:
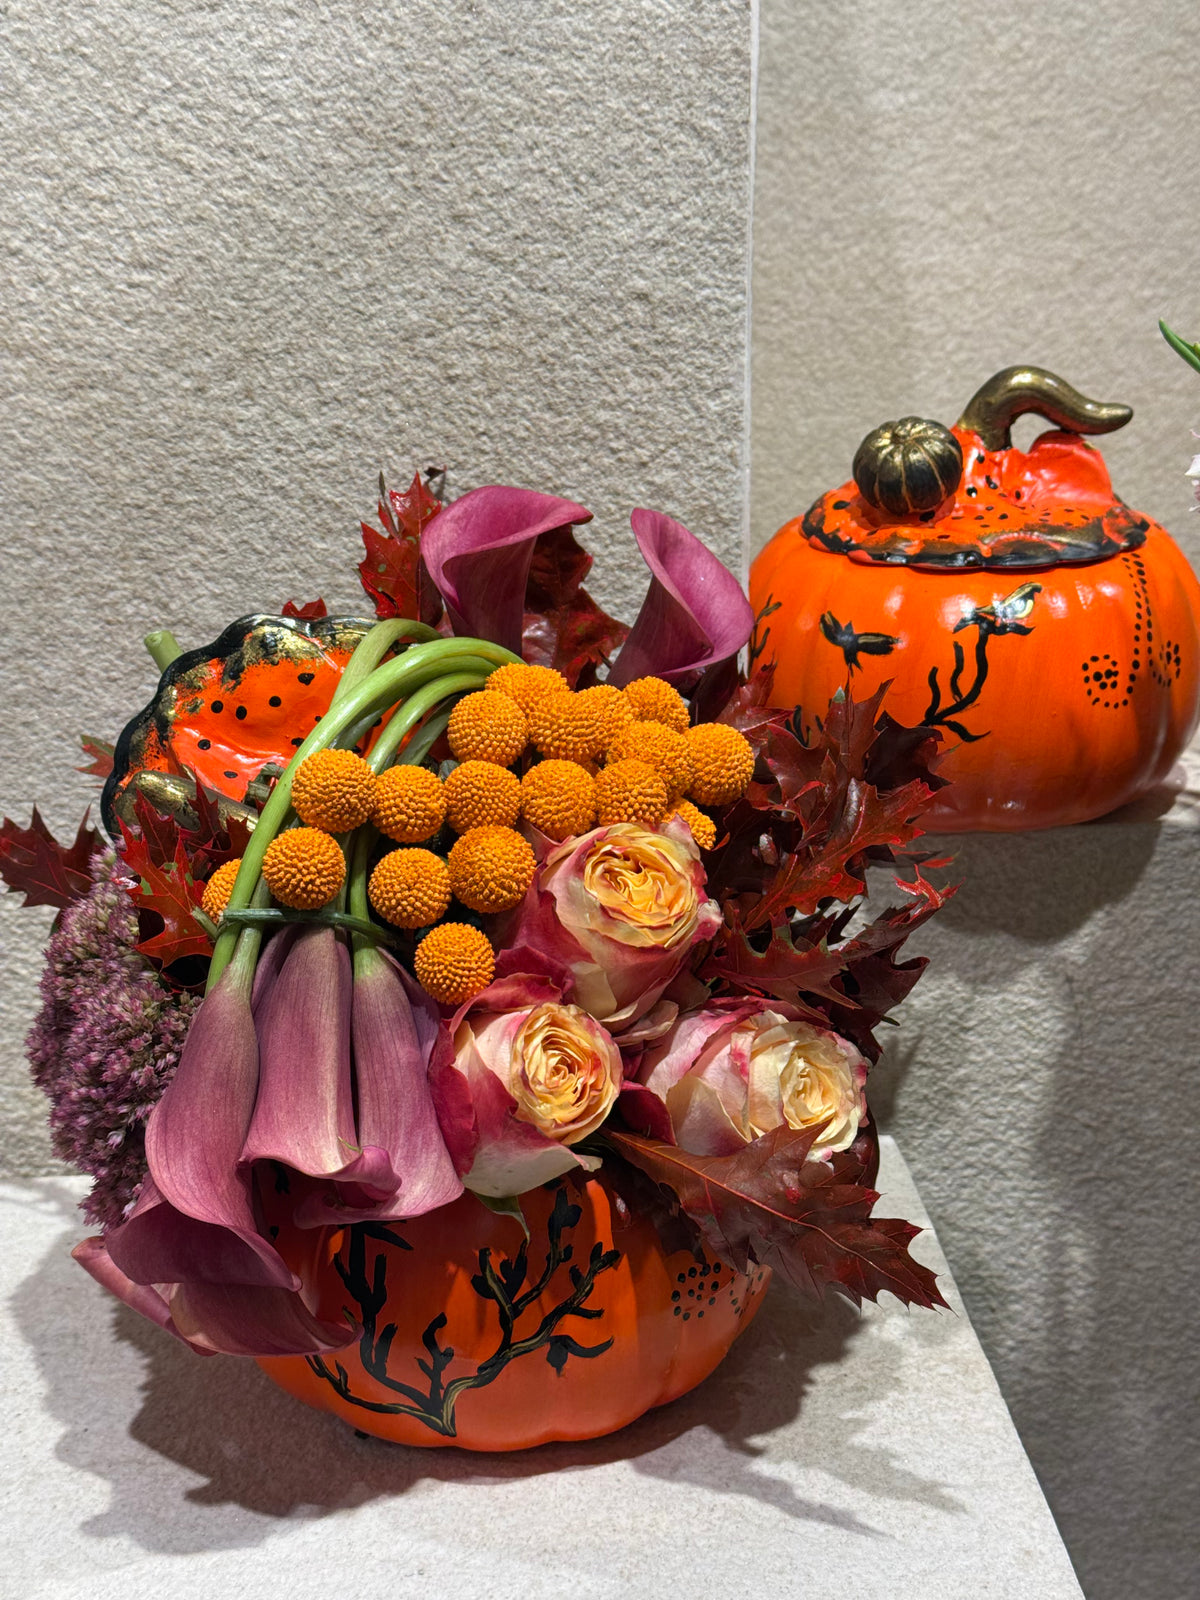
163	646
394	681
1189	352
480	668
419	705
257	921
374	645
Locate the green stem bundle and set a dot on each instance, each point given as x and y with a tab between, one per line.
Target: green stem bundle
418	681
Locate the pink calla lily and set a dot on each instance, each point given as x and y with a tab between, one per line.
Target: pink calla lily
304	1111
478	552
695	615
396	1029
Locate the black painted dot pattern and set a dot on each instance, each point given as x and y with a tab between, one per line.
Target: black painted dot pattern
709	1284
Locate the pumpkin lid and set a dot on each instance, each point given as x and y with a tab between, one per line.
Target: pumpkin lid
924	495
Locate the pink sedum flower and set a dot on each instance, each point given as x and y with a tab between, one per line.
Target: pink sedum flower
729	1074
617	912
540	1078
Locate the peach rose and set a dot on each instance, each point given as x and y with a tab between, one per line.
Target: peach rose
618	910
540	1078
727	1075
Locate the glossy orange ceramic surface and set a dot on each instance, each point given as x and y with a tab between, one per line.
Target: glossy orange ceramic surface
474	1338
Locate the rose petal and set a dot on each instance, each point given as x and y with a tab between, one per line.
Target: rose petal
702	1124
478	552
695	613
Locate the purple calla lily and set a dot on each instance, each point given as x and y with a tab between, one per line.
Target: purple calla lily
695	615
478	552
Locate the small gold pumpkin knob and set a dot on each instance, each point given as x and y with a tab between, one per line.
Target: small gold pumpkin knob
908	467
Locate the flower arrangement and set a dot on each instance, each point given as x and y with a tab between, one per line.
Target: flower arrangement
457	982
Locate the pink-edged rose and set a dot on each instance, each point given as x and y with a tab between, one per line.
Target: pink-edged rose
540	1078
617	911
728	1074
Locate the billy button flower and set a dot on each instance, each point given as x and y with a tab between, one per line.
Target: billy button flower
568	727
410	804
218	888
479	793
304	868
559	798
491	868
487	726
704	829
630	791
526	684
655	700
333	790
661	748
615	710
410	888
722	761
454	962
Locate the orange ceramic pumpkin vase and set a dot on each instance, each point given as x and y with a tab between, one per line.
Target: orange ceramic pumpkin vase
471	1335
1008	596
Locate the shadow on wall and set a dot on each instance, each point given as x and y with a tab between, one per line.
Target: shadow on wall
1044	1091
251	1456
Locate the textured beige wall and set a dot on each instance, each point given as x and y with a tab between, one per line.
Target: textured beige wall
942	190
254	253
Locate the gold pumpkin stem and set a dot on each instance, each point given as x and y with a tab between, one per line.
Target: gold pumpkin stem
993	408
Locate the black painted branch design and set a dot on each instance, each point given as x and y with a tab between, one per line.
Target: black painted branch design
501	1282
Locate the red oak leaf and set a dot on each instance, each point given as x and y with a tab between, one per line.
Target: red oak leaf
564	627
807	1220
169	891
101	753
33	863
392	573
311	612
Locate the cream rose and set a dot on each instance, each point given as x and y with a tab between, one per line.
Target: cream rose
728	1075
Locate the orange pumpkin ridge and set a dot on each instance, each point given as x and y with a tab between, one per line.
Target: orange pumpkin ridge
567	1337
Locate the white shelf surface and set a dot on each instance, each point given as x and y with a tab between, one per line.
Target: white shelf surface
833	1453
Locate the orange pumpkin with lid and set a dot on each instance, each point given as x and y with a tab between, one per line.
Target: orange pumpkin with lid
1009	596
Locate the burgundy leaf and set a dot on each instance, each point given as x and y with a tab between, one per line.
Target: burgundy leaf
101	753
33	863
807	1220
310	612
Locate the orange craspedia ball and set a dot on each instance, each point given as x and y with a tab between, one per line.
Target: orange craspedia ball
487	726
704	829
304	868
723	763
630	791
410	804
526	684
614	709
333	790
218	889
654	700
559	798
479	793
568	727
660	747
453	962
491	868
410	888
